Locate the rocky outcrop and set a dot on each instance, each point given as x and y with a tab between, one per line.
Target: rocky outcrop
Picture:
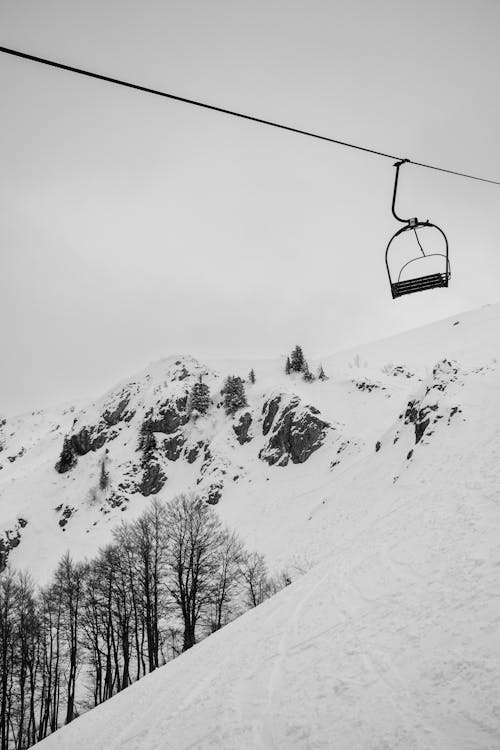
193	451
65	511
10	539
214	494
67	458
172	446
419	416
119	413
295	431
270	410
428	406
419	412
87	439
367	385
152	479
92	438
84	441
169	418
242	427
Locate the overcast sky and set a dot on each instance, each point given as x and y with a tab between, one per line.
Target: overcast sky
132	227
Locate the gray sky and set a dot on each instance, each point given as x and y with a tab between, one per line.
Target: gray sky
132	227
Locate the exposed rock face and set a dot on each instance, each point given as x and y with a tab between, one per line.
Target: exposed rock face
214	494
366	385
147	440
241	429
419	411
119	413
68	458
152	480
270	410
66	512
9	540
86	440
419	417
82	442
428	407
164	431
93	438
193	452
296	431
173	446
170	417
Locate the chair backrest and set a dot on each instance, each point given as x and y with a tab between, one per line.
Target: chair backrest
395	275
421	261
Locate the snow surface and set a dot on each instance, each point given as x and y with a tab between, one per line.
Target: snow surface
391	639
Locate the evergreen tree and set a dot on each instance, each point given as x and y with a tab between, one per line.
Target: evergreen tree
234	394
307	376
288	366
199	398
251	376
321	373
297	360
104	476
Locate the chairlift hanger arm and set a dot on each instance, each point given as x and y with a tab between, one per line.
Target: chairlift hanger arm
396	179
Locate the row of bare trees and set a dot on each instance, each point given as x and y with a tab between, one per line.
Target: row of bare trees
169	578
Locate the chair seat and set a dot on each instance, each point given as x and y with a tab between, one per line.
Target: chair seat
420	284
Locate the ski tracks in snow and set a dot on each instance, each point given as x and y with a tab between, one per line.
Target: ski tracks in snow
266	697
382	662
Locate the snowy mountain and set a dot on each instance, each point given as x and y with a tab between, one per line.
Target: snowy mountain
376	488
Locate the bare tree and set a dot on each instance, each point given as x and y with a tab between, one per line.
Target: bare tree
195	532
69	578
7	593
169	575
255	578
226	580
147	543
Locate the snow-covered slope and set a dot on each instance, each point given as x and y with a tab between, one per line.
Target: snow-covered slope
391	640
43	513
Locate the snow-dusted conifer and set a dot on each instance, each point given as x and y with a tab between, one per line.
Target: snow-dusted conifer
104	476
307	376
251	376
234	394
321	373
297	360
199	399
288	366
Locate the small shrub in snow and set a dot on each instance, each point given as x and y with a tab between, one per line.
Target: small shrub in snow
321	373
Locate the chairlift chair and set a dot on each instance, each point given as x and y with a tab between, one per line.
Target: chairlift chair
415	283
